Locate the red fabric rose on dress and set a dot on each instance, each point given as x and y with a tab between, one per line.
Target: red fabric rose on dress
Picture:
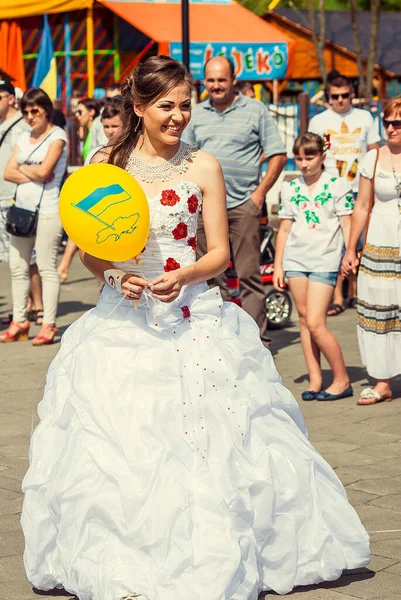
192	242
180	232
186	312
169	198
192	203
171	265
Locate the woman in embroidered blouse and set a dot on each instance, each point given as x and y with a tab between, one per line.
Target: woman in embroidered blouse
379	278
314	209
170	460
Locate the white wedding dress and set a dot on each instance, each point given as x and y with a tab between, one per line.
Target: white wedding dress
169	460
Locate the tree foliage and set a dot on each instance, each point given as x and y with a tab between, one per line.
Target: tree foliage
261	6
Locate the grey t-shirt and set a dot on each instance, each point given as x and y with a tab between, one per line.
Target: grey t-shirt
7	189
236	137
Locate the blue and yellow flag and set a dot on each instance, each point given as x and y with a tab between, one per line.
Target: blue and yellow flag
45	75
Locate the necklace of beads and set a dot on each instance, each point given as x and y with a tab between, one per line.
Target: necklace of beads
165	171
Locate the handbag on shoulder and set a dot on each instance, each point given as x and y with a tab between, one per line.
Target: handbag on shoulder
22	222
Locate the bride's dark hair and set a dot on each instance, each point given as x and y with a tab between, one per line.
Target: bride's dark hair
149	81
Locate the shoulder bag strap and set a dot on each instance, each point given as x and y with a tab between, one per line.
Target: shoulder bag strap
371	200
3	137
33	152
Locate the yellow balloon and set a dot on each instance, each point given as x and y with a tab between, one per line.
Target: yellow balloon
104	210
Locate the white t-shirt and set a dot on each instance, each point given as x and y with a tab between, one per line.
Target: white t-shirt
7	188
350	134
315	241
28	194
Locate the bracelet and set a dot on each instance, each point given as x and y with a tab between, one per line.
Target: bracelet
113	278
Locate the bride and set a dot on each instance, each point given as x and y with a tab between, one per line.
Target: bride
170	462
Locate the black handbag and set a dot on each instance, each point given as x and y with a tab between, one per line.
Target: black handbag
22	222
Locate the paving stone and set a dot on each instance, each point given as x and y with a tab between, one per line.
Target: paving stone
396	569
357	498
334	446
12	544
369	587
379	519
368	472
379	486
392	502
387	548
10	524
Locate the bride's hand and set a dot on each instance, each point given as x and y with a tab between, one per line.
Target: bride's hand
167	287
132	286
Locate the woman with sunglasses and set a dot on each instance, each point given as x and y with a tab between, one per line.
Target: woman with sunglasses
379	278
87	111
37	166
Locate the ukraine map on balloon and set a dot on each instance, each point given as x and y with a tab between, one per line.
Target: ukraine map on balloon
96	205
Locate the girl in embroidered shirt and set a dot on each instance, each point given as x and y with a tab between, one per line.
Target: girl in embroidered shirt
315	214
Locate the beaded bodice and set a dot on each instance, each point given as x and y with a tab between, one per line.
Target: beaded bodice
172	236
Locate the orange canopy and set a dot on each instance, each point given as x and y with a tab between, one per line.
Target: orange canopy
230	23
208	22
13	9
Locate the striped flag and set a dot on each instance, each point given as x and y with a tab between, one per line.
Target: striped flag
45	75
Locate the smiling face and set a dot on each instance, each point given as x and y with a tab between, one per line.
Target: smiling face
309	164
166	119
36	116
340	98
392	125
219	82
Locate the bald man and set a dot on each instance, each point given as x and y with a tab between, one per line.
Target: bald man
236	130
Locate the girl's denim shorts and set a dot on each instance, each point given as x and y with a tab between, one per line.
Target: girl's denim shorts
329	277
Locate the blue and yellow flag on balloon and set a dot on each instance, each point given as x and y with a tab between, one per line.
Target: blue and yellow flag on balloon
45	75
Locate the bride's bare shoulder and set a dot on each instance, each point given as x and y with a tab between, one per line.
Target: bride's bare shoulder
205	162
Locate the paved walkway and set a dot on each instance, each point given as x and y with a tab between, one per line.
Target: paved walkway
363	445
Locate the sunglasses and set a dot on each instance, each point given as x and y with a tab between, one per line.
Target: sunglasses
338	96
396	124
35	112
78	112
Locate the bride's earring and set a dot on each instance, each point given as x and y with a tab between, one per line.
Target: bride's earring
138	125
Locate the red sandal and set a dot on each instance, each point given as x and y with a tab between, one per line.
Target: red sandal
20	335
42	340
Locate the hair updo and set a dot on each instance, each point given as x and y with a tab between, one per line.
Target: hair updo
310	143
149	81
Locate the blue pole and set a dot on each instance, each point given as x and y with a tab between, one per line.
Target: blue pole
67	50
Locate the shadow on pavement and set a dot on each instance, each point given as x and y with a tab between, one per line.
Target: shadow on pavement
72	306
54	593
346	578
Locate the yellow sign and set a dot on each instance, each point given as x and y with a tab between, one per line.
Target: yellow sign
104	210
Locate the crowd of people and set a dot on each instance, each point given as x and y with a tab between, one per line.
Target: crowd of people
337	159
163	401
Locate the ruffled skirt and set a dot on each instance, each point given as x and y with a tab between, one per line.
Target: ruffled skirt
171	462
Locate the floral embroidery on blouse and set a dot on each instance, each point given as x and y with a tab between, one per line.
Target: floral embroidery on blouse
169	198
171	265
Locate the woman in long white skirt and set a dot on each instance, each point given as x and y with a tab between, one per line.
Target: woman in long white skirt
379	279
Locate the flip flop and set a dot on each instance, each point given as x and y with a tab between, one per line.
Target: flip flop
376	397
334	310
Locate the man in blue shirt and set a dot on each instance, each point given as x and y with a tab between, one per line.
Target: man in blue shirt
238	130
